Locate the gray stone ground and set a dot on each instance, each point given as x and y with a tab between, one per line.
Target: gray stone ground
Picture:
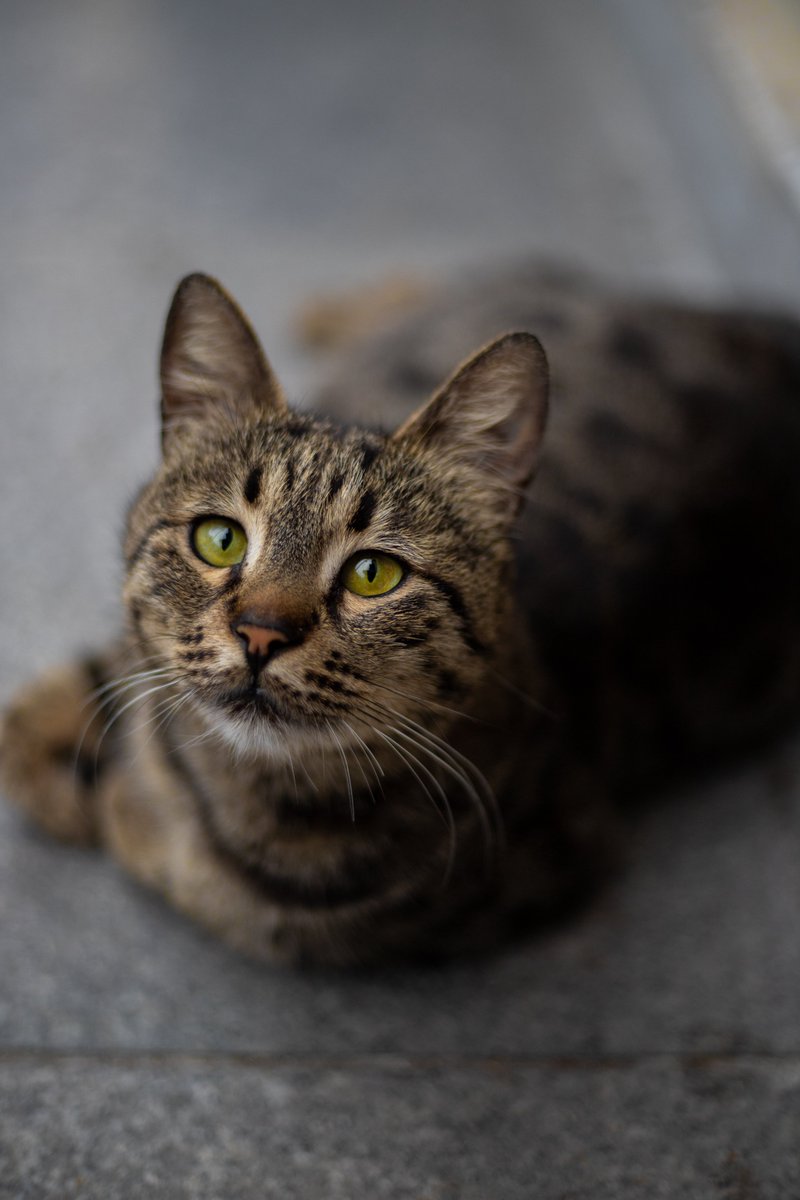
651	1047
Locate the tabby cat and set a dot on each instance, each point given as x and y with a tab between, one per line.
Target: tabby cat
370	701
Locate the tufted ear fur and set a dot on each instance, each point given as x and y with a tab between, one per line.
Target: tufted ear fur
211	359
490	415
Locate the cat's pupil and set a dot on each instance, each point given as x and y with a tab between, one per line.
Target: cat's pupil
372	570
226	538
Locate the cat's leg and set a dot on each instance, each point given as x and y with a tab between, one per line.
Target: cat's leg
54	761
151	825
61	763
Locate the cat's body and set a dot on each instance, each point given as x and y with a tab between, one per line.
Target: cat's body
344	776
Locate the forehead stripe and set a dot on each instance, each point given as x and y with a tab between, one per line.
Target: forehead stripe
369	452
252	487
363	514
335	485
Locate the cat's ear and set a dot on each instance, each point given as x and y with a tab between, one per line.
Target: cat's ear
490	415
211	360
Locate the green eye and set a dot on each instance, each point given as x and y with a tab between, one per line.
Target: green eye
219	542
371	574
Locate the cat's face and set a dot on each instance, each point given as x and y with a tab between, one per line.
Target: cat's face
304	582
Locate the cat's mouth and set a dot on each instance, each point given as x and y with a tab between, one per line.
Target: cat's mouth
266	707
252	700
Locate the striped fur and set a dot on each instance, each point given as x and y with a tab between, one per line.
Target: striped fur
420	772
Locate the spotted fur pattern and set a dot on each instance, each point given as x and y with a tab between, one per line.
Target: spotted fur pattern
420	772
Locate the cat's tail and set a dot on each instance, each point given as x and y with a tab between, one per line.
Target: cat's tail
327	322
53	754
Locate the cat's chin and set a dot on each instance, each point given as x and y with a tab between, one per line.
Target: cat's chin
253	725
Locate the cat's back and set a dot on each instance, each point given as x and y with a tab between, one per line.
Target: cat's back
625	368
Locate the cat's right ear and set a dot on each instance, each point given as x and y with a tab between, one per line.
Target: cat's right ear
211	360
489	416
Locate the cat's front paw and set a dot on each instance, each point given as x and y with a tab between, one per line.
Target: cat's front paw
50	759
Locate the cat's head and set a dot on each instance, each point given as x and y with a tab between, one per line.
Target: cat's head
301	579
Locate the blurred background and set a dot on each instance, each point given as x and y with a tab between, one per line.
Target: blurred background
307	147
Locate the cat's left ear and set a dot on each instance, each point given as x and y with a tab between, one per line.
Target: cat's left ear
211	360
490	415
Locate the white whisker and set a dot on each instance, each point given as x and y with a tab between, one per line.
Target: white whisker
447	817
159	687
377	769
432	704
347	775
472	781
123	683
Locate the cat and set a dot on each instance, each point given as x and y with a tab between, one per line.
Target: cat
371	702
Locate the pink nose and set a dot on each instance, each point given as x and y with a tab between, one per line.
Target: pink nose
260	640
